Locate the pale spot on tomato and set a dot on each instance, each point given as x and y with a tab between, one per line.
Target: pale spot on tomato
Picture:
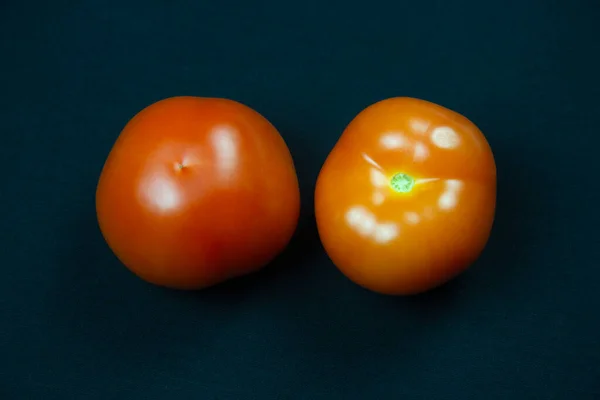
447	201
378	198
378	179
419	126
412	218
365	224
385	232
225	143
454	184
449	198
161	193
393	140
354	214
445	137
361	220
421	152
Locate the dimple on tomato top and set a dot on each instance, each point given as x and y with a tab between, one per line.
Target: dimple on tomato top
406	199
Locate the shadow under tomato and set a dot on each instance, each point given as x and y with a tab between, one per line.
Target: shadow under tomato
288	265
436	301
107	314
518	221
523	205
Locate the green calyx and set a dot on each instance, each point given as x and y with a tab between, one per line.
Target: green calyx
402	183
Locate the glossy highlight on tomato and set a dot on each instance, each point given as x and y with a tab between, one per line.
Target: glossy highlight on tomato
196	191
406	199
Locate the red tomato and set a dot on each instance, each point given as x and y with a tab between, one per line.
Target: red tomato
196	191
406	199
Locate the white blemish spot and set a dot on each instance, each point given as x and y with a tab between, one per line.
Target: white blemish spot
445	137
354	215
361	220
385	232
447	201
162	193
419	126
378	179
393	140
421	152
224	140
449	198
378	198
454	184
366	225
412	218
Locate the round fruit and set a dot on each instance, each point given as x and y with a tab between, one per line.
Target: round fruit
406	199
196	191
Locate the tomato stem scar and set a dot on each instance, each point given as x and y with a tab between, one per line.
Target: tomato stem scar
402	182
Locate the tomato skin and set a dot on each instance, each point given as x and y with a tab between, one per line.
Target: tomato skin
196	191
403	243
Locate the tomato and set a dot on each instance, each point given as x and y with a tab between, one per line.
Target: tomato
196	191
406	199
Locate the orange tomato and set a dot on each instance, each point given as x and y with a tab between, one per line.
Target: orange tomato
406	199
196	191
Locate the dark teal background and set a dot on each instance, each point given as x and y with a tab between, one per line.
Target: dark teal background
522	323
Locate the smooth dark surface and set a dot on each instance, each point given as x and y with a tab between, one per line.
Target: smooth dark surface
522	323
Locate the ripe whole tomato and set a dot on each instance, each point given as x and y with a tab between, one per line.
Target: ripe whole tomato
196	191
406	199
